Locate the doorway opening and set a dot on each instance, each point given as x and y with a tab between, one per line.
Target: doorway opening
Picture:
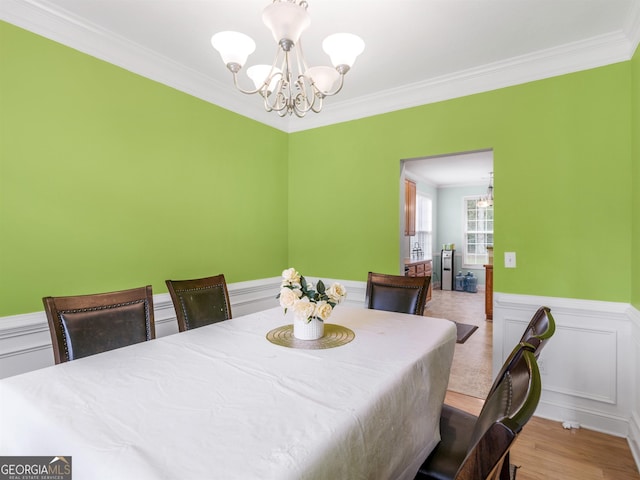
445	186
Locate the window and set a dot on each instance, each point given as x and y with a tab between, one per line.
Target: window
478	232
423	236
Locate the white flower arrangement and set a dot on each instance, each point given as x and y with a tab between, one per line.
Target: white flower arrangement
307	303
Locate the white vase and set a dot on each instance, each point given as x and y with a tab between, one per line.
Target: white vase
312	330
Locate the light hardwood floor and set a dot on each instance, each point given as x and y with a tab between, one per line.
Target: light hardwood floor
544	450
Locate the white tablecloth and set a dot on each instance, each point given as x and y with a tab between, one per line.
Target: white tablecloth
222	402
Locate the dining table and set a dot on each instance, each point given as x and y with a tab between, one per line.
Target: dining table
232	401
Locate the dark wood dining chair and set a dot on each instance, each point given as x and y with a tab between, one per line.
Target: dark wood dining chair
84	325
200	302
540	329
397	293
477	448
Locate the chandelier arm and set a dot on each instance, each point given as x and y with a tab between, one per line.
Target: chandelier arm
338	88
319	101
277	104
264	88
300	110
267	106
302	62
284	88
295	90
246	92
301	105
307	96
271	75
307	84
278	99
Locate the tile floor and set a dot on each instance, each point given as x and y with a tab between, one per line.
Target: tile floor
471	370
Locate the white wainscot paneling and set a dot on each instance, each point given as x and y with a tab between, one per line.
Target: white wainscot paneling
634	423
587	368
356	291
599	384
25	342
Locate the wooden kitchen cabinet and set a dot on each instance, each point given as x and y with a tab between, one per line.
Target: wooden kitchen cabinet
419	268
409	208
488	292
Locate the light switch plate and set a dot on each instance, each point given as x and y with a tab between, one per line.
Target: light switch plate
509	259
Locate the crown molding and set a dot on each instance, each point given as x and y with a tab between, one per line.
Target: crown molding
48	20
595	52
632	28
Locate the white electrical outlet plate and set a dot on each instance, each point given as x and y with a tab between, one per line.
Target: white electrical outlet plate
509	259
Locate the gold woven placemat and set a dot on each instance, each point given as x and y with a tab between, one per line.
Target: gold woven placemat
334	336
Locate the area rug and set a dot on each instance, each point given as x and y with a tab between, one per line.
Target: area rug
464	331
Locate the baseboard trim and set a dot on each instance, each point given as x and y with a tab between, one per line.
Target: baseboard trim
634	421
634	437
592	419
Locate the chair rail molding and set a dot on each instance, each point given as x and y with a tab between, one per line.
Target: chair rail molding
25	342
589	368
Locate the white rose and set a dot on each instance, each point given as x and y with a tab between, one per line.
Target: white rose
288	297
323	310
290	277
303	308
337	293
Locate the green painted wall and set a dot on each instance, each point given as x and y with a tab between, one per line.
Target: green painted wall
562	163
635	135
110	181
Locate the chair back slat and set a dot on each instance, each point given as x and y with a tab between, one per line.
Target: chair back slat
396	293
84	325
200	302
541	328
505	412
477	448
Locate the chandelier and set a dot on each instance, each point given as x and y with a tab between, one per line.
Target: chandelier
288	85
487	200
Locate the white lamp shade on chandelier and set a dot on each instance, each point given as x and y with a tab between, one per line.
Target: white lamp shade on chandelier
324	78
287	86
234	47
286	20
259	73
343	48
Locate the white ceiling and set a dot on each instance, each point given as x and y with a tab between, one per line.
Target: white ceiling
417	51
464	169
